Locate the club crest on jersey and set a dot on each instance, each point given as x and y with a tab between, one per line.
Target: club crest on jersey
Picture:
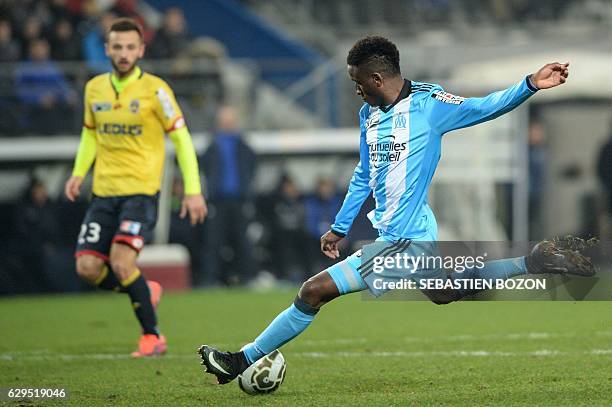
101	107
128	226
400	121
134	106
447	97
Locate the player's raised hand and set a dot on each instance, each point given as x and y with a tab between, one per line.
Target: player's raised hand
329	244
195	206
551	75
72	188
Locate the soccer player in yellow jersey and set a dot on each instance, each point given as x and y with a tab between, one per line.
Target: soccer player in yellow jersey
127	113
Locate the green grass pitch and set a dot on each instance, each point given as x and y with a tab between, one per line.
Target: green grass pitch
355	353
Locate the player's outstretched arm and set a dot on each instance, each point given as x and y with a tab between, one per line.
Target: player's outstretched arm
447	112
550	75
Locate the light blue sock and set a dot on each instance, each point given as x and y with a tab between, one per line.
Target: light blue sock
492	270
286	326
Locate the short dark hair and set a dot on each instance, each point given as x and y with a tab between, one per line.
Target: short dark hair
126	24
378	53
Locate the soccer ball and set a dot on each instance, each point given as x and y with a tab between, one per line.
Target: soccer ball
265	375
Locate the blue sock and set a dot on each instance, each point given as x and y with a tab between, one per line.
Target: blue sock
492	270
286	326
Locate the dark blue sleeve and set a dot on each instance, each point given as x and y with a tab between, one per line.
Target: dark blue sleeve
448	112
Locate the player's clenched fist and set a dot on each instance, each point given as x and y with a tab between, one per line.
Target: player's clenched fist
72	189
551	75
329	244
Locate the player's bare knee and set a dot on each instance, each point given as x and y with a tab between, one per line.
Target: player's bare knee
318	290
311	292
89	268
122	269
122	261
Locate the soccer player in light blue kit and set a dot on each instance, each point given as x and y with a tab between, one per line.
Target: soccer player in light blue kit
402	123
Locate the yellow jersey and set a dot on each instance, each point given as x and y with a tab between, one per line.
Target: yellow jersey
130	125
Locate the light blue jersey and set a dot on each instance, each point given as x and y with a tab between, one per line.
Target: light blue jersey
400	150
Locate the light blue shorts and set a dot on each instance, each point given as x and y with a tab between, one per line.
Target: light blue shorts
358	272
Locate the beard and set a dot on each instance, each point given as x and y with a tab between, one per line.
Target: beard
123	71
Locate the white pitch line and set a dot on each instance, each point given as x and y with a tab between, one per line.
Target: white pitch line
46	354
93	356
535	336
453	353
390	354
494	337
338	341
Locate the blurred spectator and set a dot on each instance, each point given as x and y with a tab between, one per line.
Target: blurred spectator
93	44
23	10
32	30
182	232
65	44
229	166
59	11
10	50
76	7
321	208
172	39
36	230
289	239
47	100
196	77
537	177
16	11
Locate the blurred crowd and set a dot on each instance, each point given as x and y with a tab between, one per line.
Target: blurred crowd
246	235
276	234
414	15
74	29
39	238
41	39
